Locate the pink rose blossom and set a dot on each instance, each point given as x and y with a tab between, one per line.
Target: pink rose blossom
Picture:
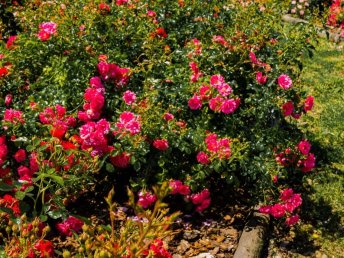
178	187
10	42
253	57
211	142
129	97
277	210
221	40
161	144
168	116
204	205
309	102
121	2
228	106
205	92
309	163
215	103
286	194
13	116
59	128
151	13
24	171
34	166
224	89
265	209
202	200
292	220
121	160
69	225
3	151
20	155
216	80
284	81
275	179
113	73
198	198
104	8
96	83
195	102
224	148
288	108
8	99
43	36
260	78
128	121
146	199
293	202
48	27
203	158
196	72
296	115
304	147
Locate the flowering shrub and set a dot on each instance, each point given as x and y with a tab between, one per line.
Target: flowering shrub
336	15
196	91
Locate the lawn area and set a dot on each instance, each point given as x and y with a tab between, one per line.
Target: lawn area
322	230
324	76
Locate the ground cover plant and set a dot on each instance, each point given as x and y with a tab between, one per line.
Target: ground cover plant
179	96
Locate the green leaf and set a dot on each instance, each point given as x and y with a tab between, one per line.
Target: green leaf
43	217
7	210
57	179
5	187
30	148
55	214
109	168
20	195
29	189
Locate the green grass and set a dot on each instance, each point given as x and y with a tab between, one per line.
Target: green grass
323	77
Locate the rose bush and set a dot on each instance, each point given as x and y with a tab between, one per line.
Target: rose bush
199	92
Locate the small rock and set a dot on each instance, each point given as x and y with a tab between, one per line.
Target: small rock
203	255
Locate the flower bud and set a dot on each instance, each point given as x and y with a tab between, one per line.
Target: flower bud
66	254
85	228
46	229
23	218
8	229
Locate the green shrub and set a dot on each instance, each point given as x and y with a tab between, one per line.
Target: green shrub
205	82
